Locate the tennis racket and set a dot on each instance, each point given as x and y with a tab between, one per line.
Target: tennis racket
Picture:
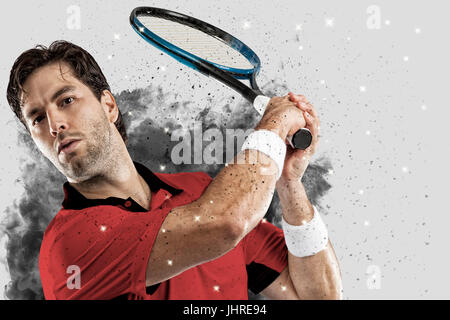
209	50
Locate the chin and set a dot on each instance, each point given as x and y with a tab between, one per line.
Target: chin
82	168
74	167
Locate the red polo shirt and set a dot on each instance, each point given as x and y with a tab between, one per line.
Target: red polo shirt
106	243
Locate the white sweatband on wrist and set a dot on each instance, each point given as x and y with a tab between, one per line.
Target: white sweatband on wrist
308	239
270	144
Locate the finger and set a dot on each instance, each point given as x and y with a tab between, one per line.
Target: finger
314	132
311	124
312	111
303	106
294	100
296	97
309	119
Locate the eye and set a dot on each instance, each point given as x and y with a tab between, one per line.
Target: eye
37	120
67	100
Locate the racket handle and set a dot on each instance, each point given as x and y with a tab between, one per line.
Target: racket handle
300	140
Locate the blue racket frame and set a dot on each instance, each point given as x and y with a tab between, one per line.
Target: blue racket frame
227	75
206	67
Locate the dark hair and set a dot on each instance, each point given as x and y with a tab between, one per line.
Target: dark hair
83	65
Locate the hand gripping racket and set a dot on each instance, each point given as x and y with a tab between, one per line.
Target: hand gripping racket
209	50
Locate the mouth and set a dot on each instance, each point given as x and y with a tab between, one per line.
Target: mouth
68	146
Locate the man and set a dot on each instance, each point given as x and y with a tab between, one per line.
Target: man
124	231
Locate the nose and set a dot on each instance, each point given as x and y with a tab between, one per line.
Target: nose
57	122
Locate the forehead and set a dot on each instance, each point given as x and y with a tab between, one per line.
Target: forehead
44	81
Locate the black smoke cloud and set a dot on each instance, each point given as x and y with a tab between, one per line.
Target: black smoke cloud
151	115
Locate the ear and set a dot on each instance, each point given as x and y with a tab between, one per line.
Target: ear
110	106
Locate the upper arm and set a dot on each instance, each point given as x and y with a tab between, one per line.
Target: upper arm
189	236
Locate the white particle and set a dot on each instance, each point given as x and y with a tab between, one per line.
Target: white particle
141	29
197	218
216	288
226	164
298	27
162	167
103	228
300	48
366	223
264	220
405	58
109	57
330	171
163	230
304	222
169	262
387	22
116	36
361	191
362	89
322	81
163	68
348	38
405	169
329	22
283	288
166	130
324	99
368	132
246	25
424	107
210	201
129	113
126	77
417	30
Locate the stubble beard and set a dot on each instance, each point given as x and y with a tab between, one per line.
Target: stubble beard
97	157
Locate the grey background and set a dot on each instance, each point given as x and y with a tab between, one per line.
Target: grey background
386	204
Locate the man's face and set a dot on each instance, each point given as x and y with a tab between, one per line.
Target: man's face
67	122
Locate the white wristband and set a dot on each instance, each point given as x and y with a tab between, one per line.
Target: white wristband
308	239
270	144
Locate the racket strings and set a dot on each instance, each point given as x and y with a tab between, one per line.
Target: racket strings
196	42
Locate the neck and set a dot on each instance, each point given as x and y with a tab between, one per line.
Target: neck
120	179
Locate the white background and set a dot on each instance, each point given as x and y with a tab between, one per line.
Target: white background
381	96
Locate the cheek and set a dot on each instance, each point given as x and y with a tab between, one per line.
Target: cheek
45	145
87	113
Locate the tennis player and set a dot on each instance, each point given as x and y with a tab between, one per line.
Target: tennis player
126	232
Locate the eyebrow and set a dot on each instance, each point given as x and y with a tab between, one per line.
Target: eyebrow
55	96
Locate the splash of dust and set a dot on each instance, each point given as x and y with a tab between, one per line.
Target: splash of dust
148	113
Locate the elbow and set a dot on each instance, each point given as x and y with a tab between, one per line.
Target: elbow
232	234
332	292
324	294
325	290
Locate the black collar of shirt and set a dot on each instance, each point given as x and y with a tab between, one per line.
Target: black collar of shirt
75	200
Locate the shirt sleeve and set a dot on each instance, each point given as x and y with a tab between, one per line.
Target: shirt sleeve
99	254
265	255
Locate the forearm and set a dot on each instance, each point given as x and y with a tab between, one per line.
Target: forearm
322	269
241	193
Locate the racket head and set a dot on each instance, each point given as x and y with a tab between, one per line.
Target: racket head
148	22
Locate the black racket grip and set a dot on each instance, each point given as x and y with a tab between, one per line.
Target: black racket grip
301	139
